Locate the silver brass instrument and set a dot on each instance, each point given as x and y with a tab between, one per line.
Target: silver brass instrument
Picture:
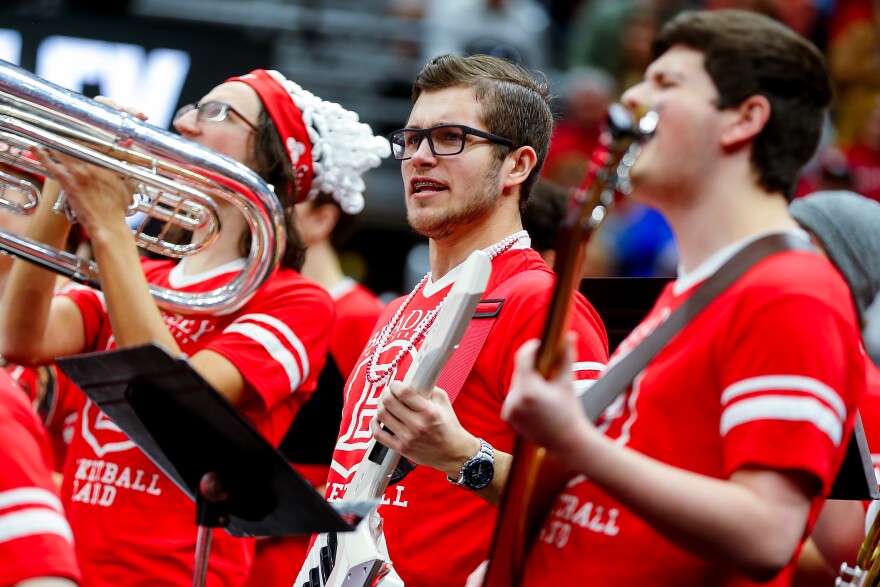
866	572
179	183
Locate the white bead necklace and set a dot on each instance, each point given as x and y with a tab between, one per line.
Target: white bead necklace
374	375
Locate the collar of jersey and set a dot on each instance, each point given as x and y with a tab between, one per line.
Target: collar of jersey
432	287
687	280
179	279
341	287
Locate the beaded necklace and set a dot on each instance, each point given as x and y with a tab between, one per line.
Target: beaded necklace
373	374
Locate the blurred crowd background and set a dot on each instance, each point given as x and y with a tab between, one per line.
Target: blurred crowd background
364	54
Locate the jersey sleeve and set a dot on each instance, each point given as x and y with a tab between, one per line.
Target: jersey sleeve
791	376
93	308
528	316
35	537
279	343
591	350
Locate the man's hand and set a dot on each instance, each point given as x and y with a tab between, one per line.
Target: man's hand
423	429
545	412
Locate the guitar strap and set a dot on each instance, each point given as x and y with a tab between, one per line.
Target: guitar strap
856	477
462	360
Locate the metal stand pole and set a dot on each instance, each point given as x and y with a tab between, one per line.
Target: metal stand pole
203	552
210	514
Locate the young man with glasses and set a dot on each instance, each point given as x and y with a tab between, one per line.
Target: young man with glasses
132	525
470	154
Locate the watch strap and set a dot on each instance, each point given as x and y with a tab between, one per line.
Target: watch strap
487	451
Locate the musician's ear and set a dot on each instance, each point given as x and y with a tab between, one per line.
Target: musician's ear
746	121
518	165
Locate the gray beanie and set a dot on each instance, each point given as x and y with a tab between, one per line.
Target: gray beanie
848	226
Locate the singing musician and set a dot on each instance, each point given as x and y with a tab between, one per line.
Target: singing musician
712	467
468	166
132	525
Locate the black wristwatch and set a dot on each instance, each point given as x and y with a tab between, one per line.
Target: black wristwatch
477	472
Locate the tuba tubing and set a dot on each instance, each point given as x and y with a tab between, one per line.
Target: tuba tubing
23	94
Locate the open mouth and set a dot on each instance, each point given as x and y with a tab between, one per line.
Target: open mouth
424	186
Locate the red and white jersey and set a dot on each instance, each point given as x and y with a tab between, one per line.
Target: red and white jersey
57	402
35	537
438	533
133	525
278	560
767	376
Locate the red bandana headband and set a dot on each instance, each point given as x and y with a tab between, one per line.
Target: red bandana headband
289	122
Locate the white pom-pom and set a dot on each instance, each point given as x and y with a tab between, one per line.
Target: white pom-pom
343	148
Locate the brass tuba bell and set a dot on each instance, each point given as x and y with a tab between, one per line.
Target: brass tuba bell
179	183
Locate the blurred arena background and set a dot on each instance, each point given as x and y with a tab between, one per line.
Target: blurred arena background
364	54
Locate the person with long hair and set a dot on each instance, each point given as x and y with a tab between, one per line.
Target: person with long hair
132	525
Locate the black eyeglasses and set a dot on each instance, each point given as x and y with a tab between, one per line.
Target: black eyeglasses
446	139
212	112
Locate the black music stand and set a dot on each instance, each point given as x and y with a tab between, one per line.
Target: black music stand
195	436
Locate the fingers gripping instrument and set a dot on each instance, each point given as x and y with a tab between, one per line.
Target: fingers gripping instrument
534	481
360	558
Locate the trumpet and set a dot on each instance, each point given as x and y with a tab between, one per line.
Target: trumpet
178	185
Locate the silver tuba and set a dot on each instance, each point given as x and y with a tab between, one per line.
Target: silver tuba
179	183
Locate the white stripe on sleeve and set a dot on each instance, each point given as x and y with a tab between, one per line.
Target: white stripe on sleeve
582	385
291	337
273	346
786	383
784	407
587	366
33	522
29	496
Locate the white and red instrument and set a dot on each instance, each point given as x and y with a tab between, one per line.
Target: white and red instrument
360	558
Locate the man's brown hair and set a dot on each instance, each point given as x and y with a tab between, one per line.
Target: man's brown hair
749	54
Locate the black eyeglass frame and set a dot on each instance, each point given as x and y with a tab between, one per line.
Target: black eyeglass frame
425	133
225	109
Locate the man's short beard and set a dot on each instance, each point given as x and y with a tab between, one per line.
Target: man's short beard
461	214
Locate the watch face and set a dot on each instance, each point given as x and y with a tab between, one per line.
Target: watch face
478	474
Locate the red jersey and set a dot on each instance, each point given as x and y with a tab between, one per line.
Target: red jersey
57	401
427	519
35	537
133	525
749	382
357	310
